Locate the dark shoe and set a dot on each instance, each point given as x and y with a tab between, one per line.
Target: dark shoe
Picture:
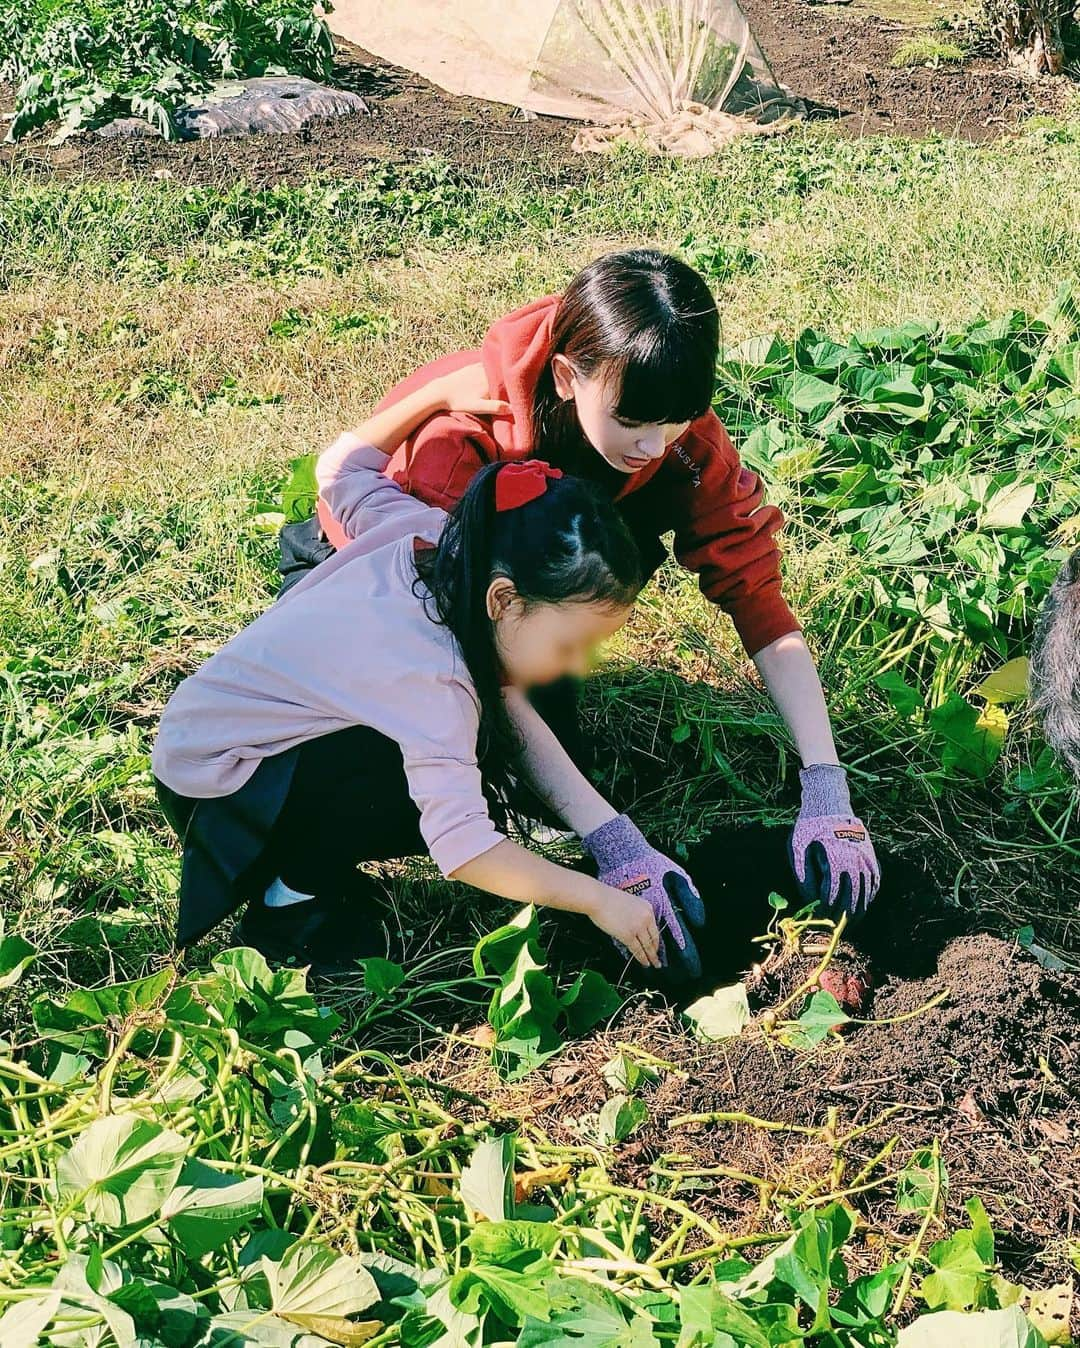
328	935
303	546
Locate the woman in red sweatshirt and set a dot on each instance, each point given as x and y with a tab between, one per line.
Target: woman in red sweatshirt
613	380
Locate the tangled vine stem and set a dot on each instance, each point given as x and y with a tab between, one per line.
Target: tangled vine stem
772	1016
828	1133
920	1236
751	1120
936	1000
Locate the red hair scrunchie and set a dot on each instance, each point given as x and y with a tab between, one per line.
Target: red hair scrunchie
519	483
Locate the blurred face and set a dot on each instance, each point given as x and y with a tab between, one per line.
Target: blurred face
543	642
628	446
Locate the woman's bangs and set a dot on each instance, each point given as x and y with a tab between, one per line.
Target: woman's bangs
664	386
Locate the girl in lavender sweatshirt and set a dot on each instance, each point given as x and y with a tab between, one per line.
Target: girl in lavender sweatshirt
379	710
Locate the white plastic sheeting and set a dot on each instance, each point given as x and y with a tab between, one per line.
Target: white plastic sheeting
594	60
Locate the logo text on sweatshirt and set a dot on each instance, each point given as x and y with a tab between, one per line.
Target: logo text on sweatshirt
683	455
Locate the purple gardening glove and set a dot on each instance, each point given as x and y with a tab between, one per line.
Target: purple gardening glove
626	861
831	851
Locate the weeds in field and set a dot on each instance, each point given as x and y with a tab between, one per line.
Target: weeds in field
80	66
949	461
927	50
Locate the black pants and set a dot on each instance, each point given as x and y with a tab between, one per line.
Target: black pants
313	814
310	816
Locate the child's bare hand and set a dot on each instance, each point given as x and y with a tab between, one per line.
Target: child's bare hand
466	390
630	922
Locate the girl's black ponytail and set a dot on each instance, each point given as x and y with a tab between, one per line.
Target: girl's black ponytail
569	545
458	576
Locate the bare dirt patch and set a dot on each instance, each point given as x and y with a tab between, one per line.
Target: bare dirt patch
992	1072
409	118
841	57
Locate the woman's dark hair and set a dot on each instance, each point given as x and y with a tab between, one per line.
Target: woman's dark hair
570	545
647	324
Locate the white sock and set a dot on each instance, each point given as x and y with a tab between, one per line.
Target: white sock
279	895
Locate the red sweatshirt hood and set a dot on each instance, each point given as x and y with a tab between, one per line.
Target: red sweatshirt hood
514	353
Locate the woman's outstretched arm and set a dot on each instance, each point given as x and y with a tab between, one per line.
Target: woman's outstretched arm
352	483
788	671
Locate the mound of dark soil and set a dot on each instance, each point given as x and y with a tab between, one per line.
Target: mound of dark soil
1005	1038
992	1070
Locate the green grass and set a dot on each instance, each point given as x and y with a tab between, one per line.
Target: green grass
927	50
939	224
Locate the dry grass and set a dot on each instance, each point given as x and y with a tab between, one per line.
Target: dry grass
917	13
